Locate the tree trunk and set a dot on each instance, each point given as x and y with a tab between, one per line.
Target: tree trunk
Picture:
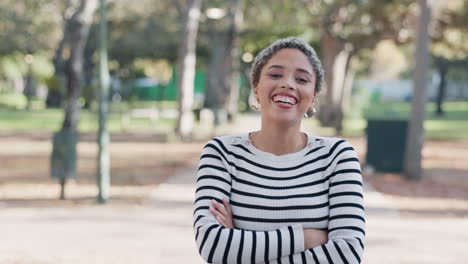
29	88
336	60
186	70
415	138
345	99
215	93
442	67
58	60
78	30
232	59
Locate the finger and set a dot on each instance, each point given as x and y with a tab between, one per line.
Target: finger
219	217
217	214
219	208
227	206
223	218
213	211
221	222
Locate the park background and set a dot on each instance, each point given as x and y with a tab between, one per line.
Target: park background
177	75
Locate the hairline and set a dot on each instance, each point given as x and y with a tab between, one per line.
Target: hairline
293	43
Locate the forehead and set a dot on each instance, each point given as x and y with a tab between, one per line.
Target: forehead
290	58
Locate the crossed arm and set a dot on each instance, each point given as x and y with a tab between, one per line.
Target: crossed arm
223	214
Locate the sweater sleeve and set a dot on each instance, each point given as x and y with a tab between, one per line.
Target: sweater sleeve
217	244
346	223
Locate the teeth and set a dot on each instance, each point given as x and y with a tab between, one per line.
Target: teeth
284	99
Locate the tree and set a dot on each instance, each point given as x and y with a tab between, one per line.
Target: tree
442	66
186	69
222	89
347	27
30	31
233	58
28	26
146	30
449	39
415	138
76	30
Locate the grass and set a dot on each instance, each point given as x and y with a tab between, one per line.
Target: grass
49	120
452	126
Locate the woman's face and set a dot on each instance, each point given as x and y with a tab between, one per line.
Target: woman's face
286	87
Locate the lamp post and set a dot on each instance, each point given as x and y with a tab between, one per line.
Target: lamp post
103	175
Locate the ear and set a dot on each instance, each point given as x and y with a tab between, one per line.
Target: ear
255	92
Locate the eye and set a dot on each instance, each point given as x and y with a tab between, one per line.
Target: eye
275	75
301	80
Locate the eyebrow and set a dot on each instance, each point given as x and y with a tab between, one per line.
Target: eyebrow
282	67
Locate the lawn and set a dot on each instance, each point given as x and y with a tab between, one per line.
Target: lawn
453	125
51	120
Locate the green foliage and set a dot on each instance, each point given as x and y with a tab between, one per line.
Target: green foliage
450	32
143	31
14	66
266	21
13	101
29	26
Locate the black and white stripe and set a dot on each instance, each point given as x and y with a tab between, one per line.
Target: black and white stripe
273	198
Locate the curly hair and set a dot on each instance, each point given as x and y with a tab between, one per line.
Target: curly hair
292	43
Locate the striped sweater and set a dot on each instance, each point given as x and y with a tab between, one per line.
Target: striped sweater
273	198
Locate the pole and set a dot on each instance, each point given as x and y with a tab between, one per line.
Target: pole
415	139
103	175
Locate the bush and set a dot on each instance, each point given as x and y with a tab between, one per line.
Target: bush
13	101
55	92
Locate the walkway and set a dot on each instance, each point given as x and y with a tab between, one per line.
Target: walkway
159	231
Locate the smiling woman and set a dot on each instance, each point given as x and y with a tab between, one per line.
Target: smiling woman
279	195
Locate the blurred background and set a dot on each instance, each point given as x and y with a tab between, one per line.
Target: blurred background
106	105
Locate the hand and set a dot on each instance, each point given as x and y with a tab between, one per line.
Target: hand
222	213
314	237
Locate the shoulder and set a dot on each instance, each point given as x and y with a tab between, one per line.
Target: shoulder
332	142
337	146
225	144
226	140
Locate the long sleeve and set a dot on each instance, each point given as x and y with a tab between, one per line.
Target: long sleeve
217	244
346	213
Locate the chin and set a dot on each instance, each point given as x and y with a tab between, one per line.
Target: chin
283	118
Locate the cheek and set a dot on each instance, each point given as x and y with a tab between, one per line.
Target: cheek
308	94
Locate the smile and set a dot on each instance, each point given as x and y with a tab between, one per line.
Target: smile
285	99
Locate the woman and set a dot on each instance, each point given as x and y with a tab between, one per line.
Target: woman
279	195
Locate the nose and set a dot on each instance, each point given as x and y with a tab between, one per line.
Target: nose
288	83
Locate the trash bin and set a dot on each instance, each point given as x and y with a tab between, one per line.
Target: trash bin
386	141
63	160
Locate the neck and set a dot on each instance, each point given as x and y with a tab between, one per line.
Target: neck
279	140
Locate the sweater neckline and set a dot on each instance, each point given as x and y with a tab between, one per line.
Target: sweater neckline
279	158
